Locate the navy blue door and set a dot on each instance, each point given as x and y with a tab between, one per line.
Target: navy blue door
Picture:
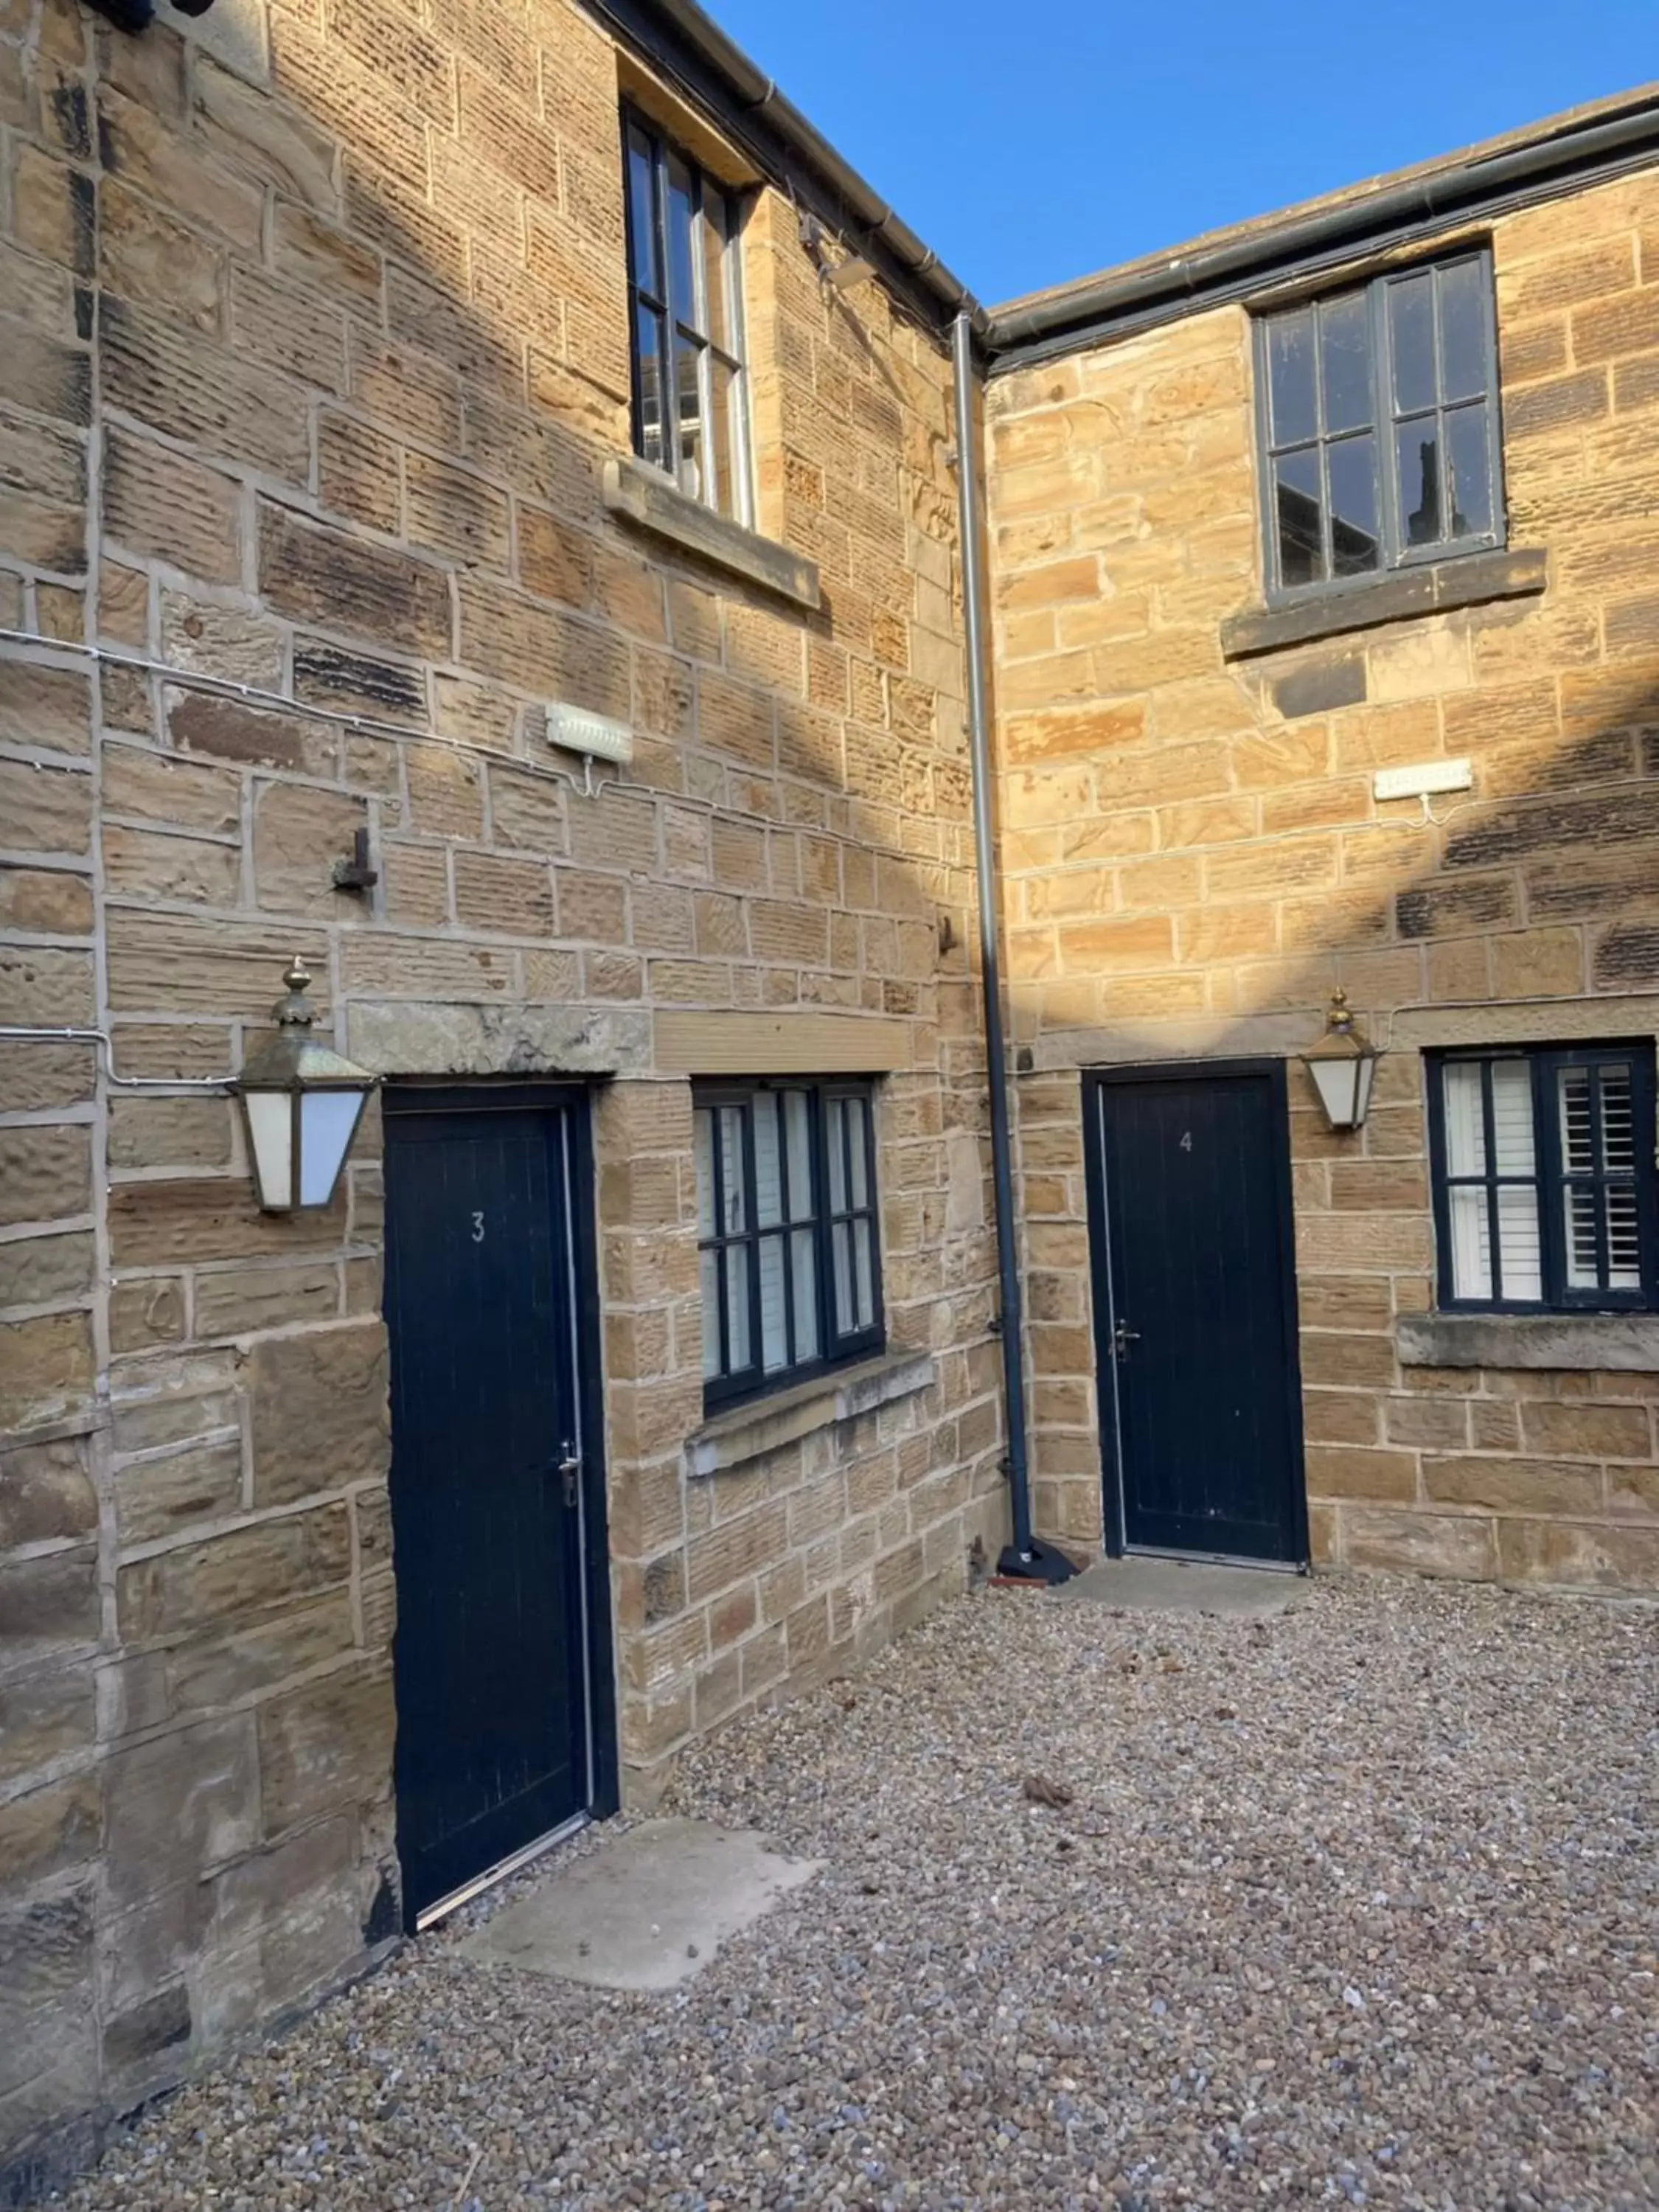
483	1307
1194	1298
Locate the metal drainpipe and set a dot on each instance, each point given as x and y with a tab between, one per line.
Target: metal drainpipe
1025	1560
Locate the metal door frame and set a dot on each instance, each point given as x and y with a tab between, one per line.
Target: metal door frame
1096	1083
410	1096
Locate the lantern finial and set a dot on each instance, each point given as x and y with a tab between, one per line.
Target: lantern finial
294	1011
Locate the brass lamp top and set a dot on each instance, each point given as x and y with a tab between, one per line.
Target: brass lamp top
291	1058
1344	1039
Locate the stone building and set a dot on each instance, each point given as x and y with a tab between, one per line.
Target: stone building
320	491
478	512
1327	659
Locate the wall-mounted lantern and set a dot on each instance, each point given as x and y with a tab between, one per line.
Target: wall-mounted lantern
302	1103
1342	1065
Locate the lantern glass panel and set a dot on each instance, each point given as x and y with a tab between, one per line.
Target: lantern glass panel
327	1120
1336	1080
1363	1092
270	1133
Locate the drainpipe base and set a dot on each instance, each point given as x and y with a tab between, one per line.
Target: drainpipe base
1040	1568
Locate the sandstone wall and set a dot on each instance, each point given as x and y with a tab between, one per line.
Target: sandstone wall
314	340
1194	861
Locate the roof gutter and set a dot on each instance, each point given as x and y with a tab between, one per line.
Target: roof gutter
689	47
1120	302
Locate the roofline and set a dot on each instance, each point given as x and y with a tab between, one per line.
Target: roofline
695	55
1538	163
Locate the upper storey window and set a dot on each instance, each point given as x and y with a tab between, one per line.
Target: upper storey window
685	295
1380	440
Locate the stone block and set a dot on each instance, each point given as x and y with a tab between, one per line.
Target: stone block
41	1271
45	1716
172	1133
1579	1555
1578	1432
173	1399
44	987
258	1892
158	788
223	1665
48	1605
44	1832
281	1562
43	902
1512	1485
1339	1416
134	2040
46	1494
316	574
241	1301
1420	1543
318	1411
48	376
161	1223
160	1497
46	1368
298	835
326	1746
163	506
46	810
48	2046
49	708
180	1806
46	1076
513	898
1440	1424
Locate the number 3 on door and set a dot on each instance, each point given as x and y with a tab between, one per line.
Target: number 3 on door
477	1229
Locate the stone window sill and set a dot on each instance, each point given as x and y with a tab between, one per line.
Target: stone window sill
767	1424
1471	580
1584	1343
647	500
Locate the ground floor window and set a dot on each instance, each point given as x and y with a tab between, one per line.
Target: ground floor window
1543	1177
788	1237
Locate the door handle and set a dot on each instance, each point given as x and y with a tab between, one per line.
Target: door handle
1122	1337
569	1467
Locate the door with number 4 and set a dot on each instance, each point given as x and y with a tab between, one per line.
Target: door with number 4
496	1504
1192	1254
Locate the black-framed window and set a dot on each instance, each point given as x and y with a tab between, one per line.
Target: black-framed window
685	303
789	1243
1378	423
1544	1178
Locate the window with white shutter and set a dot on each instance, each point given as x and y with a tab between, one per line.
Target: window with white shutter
1543	1177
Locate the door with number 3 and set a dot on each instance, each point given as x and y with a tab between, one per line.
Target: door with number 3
497	1513
1192	1249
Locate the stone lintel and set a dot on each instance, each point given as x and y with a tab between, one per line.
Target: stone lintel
411	1036
1582	1343
1533	1021
645	497
747	1432
1218	1036
1468	580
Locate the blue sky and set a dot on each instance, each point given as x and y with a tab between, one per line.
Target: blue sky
1029	141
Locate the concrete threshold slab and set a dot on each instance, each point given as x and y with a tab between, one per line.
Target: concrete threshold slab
1185	1586
647	1910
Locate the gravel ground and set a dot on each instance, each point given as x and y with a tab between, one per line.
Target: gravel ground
1357	1906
